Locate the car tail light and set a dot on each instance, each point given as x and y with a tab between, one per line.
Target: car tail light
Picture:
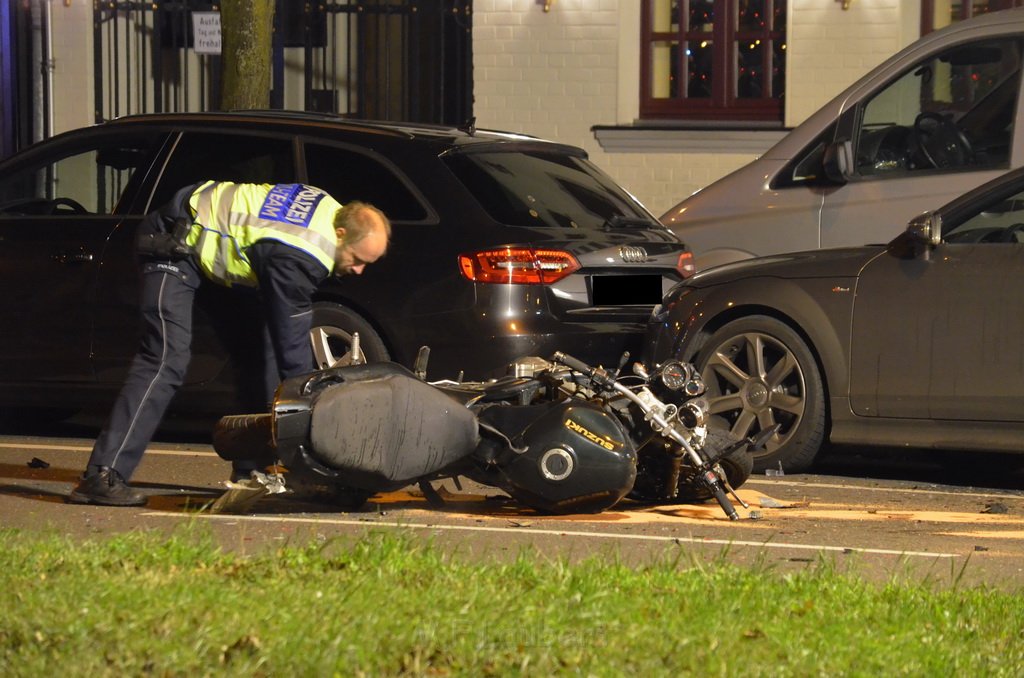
685	266
517	266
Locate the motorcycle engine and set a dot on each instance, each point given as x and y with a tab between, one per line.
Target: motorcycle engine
529	366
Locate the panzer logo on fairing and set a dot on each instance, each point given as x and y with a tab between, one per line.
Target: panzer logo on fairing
592	437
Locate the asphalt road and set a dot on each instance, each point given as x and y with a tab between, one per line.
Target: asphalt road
882	514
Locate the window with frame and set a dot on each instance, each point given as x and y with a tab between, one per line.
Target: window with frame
936	14
713	59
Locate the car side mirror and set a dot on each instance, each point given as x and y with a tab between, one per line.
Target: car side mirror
837	161
926	228
923	232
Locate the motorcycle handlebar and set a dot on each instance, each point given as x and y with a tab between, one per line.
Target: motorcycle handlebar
595	373
715	485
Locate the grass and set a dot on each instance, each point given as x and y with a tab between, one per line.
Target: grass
386	604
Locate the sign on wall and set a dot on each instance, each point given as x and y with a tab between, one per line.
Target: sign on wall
206	32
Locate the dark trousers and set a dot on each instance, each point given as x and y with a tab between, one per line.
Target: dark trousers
168	296
158	369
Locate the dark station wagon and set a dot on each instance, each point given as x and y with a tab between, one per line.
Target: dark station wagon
503	246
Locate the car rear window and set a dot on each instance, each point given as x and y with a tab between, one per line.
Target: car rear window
543	188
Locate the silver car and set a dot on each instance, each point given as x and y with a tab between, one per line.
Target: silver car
937	119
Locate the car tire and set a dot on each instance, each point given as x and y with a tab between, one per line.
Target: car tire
331	336
759	372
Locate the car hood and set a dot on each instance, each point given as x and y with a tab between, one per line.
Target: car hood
830	263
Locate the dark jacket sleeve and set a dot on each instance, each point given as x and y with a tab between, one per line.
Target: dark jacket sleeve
288	278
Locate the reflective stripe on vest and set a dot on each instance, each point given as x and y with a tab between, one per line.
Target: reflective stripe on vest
228	221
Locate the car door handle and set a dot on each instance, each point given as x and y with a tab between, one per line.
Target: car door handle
73	257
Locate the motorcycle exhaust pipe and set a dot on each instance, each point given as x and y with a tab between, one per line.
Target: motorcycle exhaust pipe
244	437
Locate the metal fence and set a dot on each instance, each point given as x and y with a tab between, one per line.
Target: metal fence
405	60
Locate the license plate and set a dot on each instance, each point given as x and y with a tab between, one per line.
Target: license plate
623	290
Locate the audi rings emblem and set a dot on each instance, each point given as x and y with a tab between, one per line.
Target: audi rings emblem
632	254
556	464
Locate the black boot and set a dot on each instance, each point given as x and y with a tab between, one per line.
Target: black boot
107	488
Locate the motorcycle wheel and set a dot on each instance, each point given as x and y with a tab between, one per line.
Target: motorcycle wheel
738	465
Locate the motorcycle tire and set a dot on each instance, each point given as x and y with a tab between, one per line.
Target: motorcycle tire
241	437
738	465
349	498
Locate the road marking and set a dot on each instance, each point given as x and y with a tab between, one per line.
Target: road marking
872	488
88	448
1009	494
557	533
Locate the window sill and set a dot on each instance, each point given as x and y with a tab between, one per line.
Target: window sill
689	139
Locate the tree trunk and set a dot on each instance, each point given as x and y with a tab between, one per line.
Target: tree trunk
247	30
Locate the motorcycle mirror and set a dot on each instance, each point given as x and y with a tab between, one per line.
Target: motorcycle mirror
622	363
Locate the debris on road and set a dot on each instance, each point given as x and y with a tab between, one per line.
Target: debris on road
240	496
995	507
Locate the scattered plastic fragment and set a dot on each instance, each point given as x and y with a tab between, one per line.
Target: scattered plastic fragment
770	472
38	463
243	494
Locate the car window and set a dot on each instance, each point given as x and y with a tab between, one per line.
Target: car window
348	175
952	111
1001	221
84	177
220	156
542	188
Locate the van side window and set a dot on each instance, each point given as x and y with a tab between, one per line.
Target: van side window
951	112
807	168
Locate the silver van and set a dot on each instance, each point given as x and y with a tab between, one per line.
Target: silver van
937	119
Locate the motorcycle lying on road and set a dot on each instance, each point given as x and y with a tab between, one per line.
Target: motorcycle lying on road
558	435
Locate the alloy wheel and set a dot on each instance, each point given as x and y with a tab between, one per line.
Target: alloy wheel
754	382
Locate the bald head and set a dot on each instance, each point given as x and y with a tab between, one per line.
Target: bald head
363	235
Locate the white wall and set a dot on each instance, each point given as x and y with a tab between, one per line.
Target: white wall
73	93
556	74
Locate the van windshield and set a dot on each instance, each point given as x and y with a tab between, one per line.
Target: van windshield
953	110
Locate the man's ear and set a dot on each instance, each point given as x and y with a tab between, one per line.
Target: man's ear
340	232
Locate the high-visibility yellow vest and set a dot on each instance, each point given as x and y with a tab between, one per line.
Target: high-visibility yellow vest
230	217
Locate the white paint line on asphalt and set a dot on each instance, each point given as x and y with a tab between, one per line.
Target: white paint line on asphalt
752	481
556	533
88	448
873	488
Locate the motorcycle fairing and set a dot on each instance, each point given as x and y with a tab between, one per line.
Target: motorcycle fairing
572	456
384	428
